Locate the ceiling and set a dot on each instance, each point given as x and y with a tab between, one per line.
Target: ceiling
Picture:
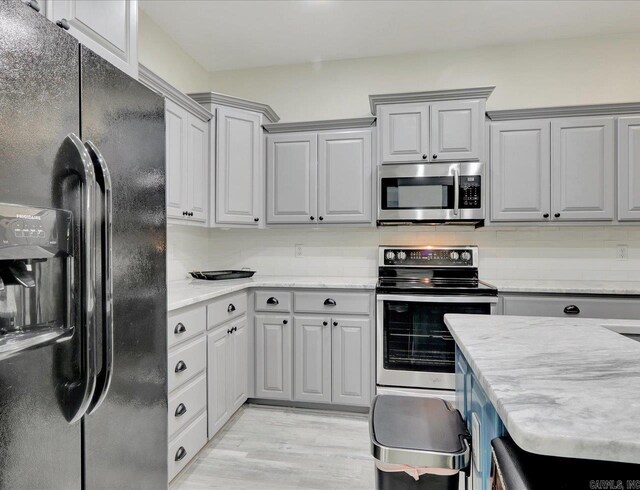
226	35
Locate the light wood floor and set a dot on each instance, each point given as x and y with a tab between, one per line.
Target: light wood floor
271	448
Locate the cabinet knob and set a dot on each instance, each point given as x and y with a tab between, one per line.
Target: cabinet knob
256	219
335	324
273	301
231	308
180	453
571	310
325	323
284	322
229	331
321	218
329	302
34	5
311	218
557	215
191	213
180	410
545	215
234	329
184	213
434	156
424	157
180	328
180	366
64	23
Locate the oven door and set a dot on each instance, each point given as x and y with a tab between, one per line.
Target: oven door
414	347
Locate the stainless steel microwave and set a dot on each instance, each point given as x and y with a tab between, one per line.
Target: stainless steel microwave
431	193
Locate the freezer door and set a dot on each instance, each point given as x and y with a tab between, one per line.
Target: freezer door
126	437
39	107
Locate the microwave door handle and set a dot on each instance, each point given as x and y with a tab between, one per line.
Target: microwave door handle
456	191
103	178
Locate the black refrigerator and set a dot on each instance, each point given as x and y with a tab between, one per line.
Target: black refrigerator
83	364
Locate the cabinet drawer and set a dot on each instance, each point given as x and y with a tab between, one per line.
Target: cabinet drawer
570	306
186	404
273	301
187	445
226	308
331	302
186	362
186	323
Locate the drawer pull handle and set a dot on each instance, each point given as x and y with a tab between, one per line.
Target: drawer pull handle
180	328
571	310
231	308
273	301
329	302
181	410
181	366
181	453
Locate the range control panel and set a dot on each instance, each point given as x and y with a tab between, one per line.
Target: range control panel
28	232
461	256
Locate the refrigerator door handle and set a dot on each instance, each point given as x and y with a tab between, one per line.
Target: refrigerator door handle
103	179
75	160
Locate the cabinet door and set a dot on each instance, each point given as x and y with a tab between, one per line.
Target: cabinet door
405	132
344	177
176	148
273	357
197	167
240	364
107	27
218	373
351	350
312	359
238	186
456	130
292	161
629	168
520	170
582	163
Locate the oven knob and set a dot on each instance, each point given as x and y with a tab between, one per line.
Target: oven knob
454	255
466	256
390	255
401	255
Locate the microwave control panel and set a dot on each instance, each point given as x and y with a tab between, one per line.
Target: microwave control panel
470	192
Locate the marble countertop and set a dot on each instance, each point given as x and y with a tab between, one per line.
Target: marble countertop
567	287
191	291
562	387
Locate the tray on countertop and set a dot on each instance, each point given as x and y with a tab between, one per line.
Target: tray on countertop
221	275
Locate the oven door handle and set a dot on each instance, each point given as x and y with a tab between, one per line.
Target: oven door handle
411	298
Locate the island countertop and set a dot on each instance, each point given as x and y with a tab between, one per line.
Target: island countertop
562	387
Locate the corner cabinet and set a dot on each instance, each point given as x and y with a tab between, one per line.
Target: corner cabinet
320	177
629	168
238	166
107	27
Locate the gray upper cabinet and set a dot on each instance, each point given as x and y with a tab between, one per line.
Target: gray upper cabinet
197	168
456	130
629	168
404	132
273	356
351	383
175	124
344	177
292	161
238	167
312	359
520	170
583	168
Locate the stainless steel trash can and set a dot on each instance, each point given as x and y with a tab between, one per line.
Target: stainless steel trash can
417	443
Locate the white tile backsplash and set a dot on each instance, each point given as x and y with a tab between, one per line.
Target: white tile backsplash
567	253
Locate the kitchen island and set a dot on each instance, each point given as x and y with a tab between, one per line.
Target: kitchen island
563	387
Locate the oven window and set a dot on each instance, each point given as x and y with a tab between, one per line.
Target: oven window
416	337
417	193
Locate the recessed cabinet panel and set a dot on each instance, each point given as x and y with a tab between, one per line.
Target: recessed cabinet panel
582	162
312	359
629	168
273	357
240	365
344	182
351	383
218	372
175	124
455	130
520	170
404	132
292	178
197	163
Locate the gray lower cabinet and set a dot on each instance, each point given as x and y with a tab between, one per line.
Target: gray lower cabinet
561	305
583	168
274	356
629	168
312	359
351	368
521	170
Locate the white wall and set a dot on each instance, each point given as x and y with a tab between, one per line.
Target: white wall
571	253
560	72
162	55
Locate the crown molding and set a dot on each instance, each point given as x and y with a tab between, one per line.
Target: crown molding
329	124
238	103
565	111
165	89
431	96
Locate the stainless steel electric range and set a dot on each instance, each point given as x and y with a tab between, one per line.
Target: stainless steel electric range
417	286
